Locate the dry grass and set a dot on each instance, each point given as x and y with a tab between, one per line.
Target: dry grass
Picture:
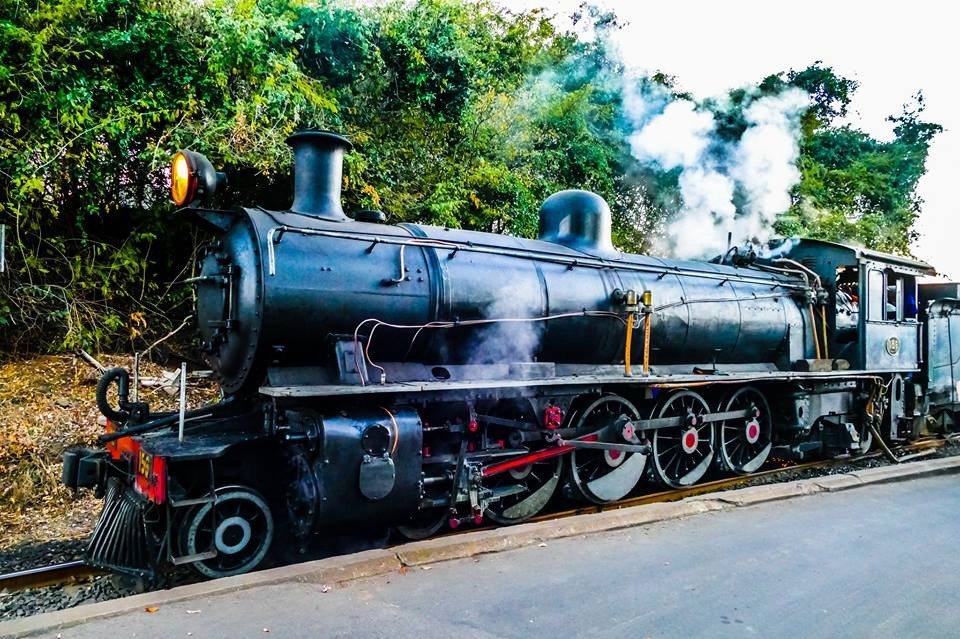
46	405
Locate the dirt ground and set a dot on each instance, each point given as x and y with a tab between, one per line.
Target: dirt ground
46	405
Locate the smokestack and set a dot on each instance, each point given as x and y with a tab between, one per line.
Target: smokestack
318	174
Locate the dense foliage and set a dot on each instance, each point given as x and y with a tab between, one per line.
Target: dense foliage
462	113
855	188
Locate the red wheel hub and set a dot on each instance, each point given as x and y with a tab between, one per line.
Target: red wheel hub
689	440
614	458
753	431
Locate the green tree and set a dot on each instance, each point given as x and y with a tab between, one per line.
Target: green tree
855	188
94	97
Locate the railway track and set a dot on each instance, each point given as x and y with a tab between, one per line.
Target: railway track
73	571
47	575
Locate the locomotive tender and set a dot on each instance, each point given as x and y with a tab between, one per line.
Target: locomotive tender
417	377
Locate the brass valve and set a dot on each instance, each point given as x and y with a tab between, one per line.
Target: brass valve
647	299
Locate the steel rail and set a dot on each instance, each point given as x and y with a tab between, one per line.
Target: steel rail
47	575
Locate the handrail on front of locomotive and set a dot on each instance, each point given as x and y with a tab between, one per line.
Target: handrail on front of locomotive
167	420
125	408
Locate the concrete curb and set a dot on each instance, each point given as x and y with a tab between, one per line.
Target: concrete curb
372	563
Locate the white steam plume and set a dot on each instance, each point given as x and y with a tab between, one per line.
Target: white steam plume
726	187
677	136
508	341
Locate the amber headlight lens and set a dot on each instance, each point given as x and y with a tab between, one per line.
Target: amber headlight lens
183	180
193	178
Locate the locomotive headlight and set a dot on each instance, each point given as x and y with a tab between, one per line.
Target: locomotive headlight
183	181
192	176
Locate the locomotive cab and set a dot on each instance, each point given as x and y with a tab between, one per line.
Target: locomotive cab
871	313
872	319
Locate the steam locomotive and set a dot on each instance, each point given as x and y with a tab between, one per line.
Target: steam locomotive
418	377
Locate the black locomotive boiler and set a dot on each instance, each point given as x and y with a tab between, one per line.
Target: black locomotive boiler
420	377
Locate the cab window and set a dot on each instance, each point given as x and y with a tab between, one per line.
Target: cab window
847	311
894	306
876	287
892	296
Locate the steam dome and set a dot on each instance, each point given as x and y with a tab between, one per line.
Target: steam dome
579	220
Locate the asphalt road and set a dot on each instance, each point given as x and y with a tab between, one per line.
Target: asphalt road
882	561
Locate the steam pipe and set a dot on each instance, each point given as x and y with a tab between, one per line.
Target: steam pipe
823	324
631	304
799	266
813	329
647	326
803	271
813	316
788	271
732	249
